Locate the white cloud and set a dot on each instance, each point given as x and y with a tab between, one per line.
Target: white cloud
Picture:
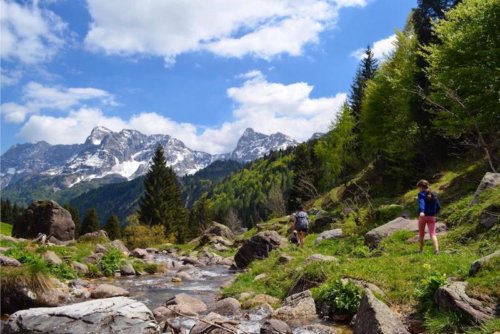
262	105
29	34
9	77
230	28
381	49
37	97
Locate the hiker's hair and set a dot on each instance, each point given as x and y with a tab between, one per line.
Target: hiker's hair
424	184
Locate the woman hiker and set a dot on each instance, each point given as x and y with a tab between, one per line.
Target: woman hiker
428	208
301	224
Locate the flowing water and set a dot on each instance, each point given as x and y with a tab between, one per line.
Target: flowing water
154	290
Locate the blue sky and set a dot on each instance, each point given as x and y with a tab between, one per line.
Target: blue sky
199	70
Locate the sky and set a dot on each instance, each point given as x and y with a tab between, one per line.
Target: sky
201	71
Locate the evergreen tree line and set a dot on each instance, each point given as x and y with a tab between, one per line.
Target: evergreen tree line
10	212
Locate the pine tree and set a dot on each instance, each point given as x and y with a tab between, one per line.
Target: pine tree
6	212
90	221
366	71
113	227
161	203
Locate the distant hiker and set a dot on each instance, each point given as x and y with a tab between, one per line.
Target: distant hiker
428	208
301	224
294	240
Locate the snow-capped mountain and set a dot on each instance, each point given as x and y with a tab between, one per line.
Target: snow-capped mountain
122	155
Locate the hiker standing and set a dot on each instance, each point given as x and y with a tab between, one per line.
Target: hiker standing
301	225
428	208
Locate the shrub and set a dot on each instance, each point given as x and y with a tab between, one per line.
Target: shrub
151	268
94	271
386	213
341	298
143	236
111	261
425	290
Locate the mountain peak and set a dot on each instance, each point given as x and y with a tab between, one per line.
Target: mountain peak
97	135
248	131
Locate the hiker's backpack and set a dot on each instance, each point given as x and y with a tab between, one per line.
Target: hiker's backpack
301	221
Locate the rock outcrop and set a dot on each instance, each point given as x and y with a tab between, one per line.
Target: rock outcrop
207	325
257	247
374	317
108	290
329	235
490	180
45	217
453	297
103	316
375	236
297	308
220	230
477	265
275	326
228	307
186	304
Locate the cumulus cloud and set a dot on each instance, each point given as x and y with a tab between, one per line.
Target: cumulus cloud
30	34
230	28
37	97
265	106
381	49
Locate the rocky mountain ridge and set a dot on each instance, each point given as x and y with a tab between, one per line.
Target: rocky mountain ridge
122	155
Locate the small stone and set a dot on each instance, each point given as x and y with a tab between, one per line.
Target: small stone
228	306
52	258
275	326
139	253
329	235
80	268
108	290
176	280
321	258
184	276
260	277
6	261
477	265
127	269
283	259
100	249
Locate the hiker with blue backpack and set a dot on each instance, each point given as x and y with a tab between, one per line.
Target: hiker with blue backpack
301	225
428	208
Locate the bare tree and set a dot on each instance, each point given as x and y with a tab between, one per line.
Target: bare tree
233	221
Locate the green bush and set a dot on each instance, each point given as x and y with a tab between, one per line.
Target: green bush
386	213
111	261
341	298
425	290
94	271
151	268
141	236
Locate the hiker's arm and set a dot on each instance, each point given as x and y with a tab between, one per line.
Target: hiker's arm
421	203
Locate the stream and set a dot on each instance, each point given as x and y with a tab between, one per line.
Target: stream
154	290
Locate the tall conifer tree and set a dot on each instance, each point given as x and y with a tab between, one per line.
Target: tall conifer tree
113	227
366	71
90	222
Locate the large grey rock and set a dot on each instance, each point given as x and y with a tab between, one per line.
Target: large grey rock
477	265
329	235
322	222
297	308
220	230
103	316
6	261
46	217
490	180
108	290
375	236
206	327
80	268
99	235
453	297
257	247
118	244
100	249
139	253
186	304
94	258
127	269
275	326
374	317
228	306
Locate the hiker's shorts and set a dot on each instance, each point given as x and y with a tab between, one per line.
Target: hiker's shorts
430	221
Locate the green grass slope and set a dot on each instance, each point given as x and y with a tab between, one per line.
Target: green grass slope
5	229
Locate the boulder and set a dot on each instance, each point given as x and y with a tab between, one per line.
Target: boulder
228	307
260	277
321	258
127	269
257	247
80	268
316	329
104	316
162	313
329	235
489	218
6	261
52	258
305	282
99	235
193	261
297	308
219	230
183	276
375	317
94	258
46	217
477	265
186	304
490	180
275	326
100	249
259	300
107	291
139	253
453	297
375	236
118	244
35	292
322	222
208	258
206	326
